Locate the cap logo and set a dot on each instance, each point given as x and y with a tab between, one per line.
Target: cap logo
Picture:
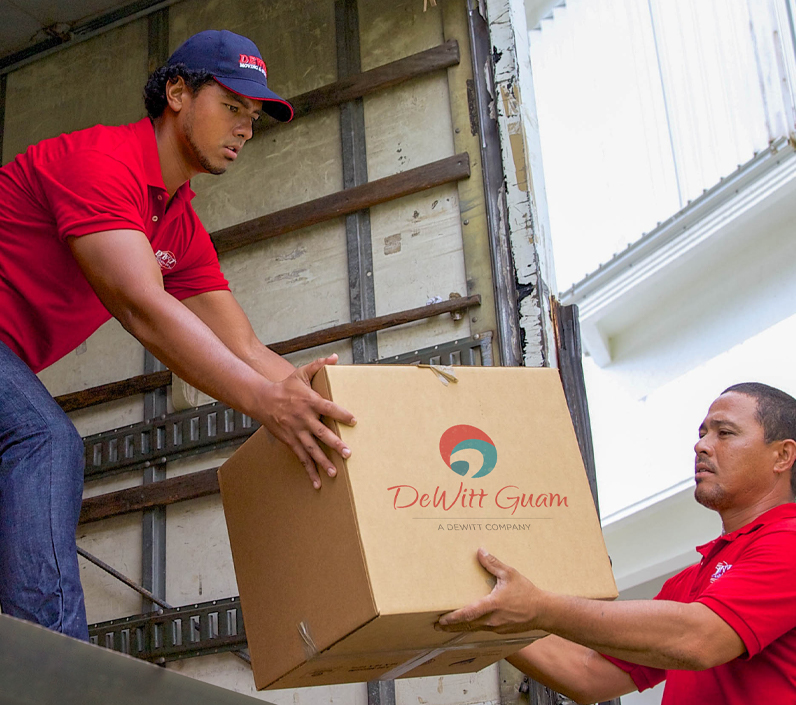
248	61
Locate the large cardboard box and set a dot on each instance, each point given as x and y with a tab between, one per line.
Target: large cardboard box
345	584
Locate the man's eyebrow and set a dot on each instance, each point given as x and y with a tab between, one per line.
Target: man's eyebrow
721	422
241	100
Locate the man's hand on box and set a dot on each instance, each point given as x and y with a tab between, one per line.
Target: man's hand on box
293	416
510	608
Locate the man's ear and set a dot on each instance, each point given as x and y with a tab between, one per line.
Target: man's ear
786	455
176	92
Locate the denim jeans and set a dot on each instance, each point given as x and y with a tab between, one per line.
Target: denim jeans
41	487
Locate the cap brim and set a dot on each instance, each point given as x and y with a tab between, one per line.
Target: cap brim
278	108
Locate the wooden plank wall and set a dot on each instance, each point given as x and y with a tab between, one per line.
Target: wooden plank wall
295	282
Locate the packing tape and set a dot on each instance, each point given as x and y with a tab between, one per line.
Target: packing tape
444	373
416	661
454	644
310	650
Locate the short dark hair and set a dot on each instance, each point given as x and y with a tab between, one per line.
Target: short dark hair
155	89
776	413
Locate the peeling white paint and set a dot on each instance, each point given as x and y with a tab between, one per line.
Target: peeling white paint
530	322
526	205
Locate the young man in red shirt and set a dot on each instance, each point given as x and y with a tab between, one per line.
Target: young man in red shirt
98	223
720	632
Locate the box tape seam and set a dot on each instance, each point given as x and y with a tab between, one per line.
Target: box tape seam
452	645
310	650
444	373
422	658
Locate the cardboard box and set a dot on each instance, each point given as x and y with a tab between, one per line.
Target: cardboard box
344	584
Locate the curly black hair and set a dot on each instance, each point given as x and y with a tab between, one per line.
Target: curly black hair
155	89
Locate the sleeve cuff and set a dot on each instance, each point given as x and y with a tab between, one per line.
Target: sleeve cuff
643	676
89	227
735	622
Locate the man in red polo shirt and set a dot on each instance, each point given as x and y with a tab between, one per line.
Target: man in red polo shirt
720	632
98	223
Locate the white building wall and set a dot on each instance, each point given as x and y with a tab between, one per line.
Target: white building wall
642	105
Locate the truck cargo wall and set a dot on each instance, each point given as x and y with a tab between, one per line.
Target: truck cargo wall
289	285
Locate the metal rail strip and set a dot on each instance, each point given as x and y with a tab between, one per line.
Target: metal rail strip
167	438
182	632
475	351
215	426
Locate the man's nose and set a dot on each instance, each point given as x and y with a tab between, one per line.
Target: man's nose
702	446
244	130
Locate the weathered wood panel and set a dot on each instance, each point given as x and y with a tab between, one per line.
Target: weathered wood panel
464	118
156	494
122	389
155	380
342	203
361	84
117	541
99	81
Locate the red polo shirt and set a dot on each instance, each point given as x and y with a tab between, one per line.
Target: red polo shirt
102	178
748	578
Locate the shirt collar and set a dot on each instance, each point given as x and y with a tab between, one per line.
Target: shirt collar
783	511
145	134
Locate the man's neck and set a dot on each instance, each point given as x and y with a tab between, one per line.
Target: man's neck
174	167
736	518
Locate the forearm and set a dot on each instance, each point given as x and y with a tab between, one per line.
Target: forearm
573	670
180	340
661	634
266	361
223	315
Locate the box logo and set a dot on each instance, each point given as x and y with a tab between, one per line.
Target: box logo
464	437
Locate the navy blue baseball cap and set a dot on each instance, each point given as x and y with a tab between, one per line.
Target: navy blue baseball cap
236	64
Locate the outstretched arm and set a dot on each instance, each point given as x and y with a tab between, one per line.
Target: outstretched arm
123	271
576	671
657	633
221	313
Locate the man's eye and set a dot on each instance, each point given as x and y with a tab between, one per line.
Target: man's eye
232	108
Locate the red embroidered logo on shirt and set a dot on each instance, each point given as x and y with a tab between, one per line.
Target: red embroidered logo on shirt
166	259
721	568
253	62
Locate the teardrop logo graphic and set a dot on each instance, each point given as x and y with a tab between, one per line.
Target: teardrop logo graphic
465	437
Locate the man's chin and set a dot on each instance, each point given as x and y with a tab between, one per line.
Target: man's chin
709	499
215	169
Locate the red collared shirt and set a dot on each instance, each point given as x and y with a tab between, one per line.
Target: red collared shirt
102	178
748	578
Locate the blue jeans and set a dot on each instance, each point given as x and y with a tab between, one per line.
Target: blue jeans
41	488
